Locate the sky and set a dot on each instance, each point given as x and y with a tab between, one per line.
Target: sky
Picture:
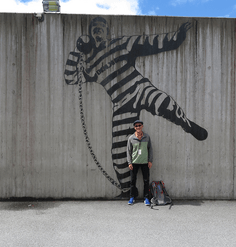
188	8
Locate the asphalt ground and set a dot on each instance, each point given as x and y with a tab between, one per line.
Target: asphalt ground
115	223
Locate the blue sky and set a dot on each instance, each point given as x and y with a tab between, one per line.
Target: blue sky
191	8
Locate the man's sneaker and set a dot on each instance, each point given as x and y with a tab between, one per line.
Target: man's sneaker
131	201
146	202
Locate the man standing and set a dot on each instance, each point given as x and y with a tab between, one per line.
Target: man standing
139	155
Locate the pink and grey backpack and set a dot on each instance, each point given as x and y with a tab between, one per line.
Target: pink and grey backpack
159	195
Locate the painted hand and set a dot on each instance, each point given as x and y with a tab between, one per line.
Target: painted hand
185	27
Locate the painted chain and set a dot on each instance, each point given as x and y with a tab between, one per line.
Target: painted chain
82	118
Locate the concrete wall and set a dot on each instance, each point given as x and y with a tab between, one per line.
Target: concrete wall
43	149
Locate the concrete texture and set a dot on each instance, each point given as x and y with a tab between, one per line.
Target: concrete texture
115	223
42	146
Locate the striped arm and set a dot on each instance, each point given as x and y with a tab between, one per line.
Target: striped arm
74	67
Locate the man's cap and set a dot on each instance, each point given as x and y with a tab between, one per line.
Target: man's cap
137	121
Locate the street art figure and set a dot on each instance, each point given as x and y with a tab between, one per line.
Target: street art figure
111	63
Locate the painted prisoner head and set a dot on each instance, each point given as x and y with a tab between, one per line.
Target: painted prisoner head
99	30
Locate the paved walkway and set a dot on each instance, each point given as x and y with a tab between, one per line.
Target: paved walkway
114	223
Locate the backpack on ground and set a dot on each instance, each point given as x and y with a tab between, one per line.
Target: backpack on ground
159	195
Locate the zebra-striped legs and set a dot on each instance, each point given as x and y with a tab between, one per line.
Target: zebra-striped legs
161	104
122	127
127	111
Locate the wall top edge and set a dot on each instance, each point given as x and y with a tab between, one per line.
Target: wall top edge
146	16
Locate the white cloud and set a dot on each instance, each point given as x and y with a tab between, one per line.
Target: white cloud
17	6
115	7
152	12
123	7
179	2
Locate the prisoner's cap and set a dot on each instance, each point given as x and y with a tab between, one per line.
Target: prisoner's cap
137	121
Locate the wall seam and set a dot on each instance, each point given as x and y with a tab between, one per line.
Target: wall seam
234	107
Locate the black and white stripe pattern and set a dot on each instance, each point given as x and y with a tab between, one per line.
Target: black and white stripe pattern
112	66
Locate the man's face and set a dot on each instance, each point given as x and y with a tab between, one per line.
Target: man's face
99	32
138	127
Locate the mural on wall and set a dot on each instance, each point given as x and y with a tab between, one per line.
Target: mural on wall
111	63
